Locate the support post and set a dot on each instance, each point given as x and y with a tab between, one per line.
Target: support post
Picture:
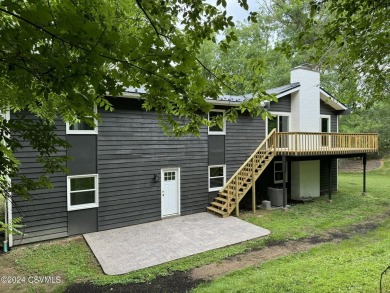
253	185
237	201
329	179
364	172
284	181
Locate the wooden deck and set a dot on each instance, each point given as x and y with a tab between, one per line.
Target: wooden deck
314	144
287	144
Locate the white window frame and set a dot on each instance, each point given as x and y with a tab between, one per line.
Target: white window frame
224	177
329	117
279	181
277	114
223	132
88	205
93	131
329	123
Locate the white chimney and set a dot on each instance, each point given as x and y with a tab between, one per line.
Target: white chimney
305	117
305	104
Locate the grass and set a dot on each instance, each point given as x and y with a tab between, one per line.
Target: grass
73	260
353	265
348	207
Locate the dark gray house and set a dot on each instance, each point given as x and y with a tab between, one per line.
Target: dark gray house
127	172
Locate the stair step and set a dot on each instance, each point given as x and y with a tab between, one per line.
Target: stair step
218	205
217	211
226	195
221	199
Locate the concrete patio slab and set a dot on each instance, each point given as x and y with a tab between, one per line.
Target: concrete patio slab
127	249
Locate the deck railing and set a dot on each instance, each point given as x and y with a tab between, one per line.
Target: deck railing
320	143
247	171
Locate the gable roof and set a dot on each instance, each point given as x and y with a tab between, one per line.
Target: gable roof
232	100
284	89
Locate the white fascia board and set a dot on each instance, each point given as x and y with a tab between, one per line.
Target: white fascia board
130	95
331	101
211	101
288	92
223	103
214	102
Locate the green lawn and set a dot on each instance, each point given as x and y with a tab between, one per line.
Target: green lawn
73	260
352	265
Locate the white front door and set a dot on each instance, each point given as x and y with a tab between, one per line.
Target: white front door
170	192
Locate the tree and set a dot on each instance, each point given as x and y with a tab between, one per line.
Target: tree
60	58
374	119
354	41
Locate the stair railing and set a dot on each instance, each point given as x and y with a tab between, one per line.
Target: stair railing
246	170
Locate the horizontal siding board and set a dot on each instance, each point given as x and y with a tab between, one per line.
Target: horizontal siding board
242	138
32	239
283	104
324	175
127	139
45	216
127	221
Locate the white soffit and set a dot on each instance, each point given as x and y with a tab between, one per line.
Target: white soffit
328	99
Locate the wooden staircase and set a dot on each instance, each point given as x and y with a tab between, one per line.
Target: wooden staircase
242	181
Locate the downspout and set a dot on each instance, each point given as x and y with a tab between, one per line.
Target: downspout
8	241
5	243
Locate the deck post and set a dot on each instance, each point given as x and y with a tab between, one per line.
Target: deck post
284	181
253	185
364	172
237	201
329	179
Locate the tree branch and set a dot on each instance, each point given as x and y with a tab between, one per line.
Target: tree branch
85	49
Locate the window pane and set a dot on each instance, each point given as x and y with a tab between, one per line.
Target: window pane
278	176
215	127
80	126
216	171
216	182
82	183
278	167
169	176
272	124
283	124
324	125
82	198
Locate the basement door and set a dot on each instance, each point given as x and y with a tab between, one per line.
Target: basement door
170	192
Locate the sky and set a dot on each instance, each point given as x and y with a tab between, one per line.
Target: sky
234	9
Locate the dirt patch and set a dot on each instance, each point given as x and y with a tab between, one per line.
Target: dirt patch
356	165
177	282
276	250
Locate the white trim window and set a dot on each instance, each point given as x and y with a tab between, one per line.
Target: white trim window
325	125
216	129
278	172
217	177
82	127
281	121
83	192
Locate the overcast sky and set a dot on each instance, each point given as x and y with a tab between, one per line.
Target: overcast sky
234	9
